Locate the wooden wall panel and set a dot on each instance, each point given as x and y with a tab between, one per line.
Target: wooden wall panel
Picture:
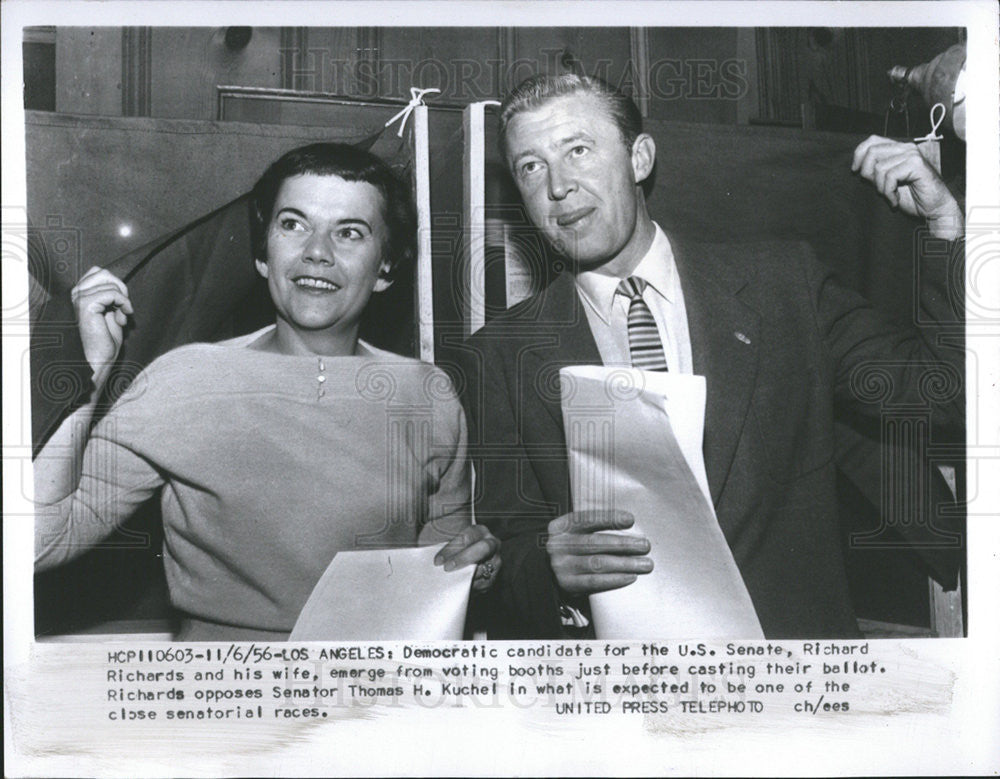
188	63
89	70
137	70
597	51
695	74
461	62
716	75
335	60
845	68
39	62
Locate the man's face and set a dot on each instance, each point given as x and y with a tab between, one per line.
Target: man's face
578	180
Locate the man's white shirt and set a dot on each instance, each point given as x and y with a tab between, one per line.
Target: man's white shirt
607	312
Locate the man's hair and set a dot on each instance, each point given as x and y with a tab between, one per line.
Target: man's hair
350	164
537	90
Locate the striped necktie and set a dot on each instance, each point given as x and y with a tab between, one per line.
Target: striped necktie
643	337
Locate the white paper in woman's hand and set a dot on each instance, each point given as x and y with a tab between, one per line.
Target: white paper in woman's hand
386	595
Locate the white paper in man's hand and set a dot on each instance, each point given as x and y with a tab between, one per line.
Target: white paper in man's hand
386	595
634	439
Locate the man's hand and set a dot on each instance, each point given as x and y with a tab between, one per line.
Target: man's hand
902	175
586	560
102	305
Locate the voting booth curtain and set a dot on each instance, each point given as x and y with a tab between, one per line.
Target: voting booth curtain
162	202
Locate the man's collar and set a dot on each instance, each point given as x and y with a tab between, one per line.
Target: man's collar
656	267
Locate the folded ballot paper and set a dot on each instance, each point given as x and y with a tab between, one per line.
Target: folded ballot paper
635	443
386	595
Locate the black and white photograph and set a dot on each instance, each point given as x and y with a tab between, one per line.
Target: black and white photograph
541	369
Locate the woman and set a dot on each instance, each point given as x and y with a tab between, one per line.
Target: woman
278	449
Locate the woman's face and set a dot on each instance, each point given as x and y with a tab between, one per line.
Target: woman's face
325	251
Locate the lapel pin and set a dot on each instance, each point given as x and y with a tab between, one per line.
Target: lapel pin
742	337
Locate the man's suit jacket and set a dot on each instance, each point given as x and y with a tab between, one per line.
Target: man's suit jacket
782	347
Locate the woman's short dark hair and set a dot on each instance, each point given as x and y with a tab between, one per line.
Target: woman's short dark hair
350	164
538	90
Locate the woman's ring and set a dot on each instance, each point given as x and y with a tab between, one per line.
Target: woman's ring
488	570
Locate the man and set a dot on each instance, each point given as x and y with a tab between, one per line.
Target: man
776	338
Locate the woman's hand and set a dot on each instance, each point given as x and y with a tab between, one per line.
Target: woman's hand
102	305
475	544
